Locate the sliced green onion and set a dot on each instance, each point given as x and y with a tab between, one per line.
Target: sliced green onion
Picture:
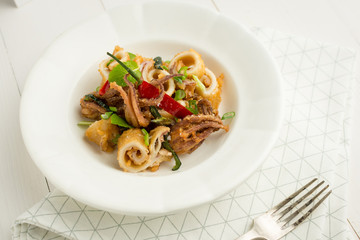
132	56
113	109
165	67
116	120
167	61
228	115
193	107
183	69
158	63
199	85
146	136
163	121
178	79
85	123
98	88
131	72
155	112
179	94
109	62
167	146
106	115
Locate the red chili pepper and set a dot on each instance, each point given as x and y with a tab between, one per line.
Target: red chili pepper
104	88
146	90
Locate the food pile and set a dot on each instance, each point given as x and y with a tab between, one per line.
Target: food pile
152	110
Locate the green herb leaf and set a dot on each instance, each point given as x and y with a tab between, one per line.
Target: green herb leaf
98	88
179	94
106	115
132	56
98	101
199	85
167	61
129	70
113	109
155	112
85	123
193	107
118	73
132	79
158	63
228	115
146	136
116	120
164	67
167	146
109	62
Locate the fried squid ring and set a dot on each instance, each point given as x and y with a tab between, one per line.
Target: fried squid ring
106	66
210	82
213	87
145	68
190	59
133	155
169	85
158	154
157	83
121	55
104	70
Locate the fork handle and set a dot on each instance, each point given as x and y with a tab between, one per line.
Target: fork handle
251	235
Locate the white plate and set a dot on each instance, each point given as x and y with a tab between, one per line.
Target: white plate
68	70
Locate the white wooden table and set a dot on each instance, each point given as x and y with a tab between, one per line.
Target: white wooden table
25	32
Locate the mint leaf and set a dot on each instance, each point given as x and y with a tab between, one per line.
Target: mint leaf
113	109
118	73
132	56
132	79
116	120
106	115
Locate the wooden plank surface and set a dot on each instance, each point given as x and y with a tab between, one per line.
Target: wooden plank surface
21	183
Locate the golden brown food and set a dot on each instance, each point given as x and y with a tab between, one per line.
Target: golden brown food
102	133
133	154
191	59
143	101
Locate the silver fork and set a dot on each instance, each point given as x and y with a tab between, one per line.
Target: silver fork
275	224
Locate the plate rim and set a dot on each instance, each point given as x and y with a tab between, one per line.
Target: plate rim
274	133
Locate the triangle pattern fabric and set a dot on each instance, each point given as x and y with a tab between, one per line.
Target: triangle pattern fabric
313	142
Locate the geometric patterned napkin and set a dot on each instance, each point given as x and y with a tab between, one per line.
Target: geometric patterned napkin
312	143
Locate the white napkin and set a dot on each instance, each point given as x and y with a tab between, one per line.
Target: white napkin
313	143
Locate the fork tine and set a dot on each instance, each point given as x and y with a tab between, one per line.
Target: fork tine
288	209
293	215
292	196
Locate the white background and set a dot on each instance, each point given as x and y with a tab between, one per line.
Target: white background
25	32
